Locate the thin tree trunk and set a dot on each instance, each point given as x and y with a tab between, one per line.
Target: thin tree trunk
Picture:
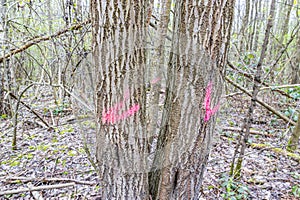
293	141
295	64
5	107
244	29
286	10
257	26
253	14
257	79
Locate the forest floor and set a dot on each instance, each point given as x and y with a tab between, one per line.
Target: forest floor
55	160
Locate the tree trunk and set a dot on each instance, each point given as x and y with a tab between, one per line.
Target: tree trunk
248	121
294	139
4	69
154	143
295	64
245	26
119	56
185	138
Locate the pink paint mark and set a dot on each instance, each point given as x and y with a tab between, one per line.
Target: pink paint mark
208	111
155	80
112	115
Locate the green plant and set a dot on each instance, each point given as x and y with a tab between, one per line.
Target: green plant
72	153
15	163
58	110
291	112
294	92
3	116
296	190
68	129
233	190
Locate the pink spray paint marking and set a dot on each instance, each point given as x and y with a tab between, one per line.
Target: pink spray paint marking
112	116
155	80
208	111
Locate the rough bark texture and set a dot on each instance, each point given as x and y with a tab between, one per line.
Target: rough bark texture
186	140
150	144
118	29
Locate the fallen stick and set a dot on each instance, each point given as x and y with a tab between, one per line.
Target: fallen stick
47	187
237	129
280	87
267	147
268	107
30	179
28	107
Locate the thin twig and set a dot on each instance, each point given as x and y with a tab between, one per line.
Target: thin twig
249	76
47	187
280	86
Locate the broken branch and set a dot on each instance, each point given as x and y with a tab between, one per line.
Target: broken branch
268	107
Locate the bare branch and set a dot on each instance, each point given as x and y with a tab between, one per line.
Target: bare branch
249	76
47	187
267	106
43	38
254	132
28	107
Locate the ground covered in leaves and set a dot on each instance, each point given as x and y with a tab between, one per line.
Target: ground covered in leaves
269	171
55	159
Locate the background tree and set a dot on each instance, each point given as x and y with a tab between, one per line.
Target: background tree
293	140
4	75
276	62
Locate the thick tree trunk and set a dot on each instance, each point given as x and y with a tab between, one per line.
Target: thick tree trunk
119	55
195	62
154	143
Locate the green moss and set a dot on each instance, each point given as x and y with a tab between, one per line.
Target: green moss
276	150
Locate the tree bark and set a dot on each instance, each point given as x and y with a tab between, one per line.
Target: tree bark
181	166
119	56
152	144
